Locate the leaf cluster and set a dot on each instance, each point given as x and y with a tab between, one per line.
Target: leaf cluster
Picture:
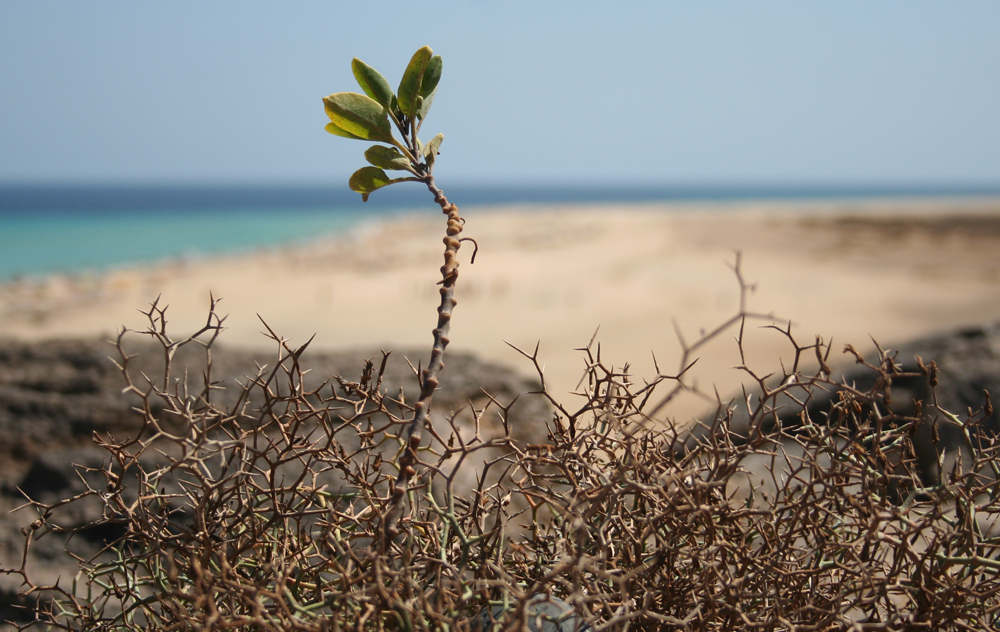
374	115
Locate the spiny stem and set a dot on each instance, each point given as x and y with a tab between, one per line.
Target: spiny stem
413	434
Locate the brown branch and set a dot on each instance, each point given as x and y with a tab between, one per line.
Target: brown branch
429	377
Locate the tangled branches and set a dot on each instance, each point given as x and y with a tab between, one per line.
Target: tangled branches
265	514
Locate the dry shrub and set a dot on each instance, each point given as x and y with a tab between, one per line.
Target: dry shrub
269	514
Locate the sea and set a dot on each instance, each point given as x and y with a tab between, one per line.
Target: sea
82	229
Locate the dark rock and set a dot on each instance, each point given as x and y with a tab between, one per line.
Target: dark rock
16	608
63	473
55	395
968	364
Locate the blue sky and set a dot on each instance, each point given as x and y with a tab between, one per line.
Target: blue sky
536	91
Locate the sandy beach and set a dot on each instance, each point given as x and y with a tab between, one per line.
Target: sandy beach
850	271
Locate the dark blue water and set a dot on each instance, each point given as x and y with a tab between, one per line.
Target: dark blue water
46	229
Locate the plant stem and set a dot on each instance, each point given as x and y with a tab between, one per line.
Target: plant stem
413	434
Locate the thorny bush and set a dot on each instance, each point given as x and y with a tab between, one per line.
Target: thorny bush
266	515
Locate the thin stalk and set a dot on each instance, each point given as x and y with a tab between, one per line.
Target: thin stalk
406	151
429	380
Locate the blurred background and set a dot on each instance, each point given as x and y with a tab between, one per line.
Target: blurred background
110	108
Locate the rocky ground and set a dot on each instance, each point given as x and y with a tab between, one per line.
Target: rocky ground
968	374
55	395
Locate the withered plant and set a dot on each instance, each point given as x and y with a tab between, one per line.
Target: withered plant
326	508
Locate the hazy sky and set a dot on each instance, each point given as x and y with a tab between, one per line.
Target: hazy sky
660	92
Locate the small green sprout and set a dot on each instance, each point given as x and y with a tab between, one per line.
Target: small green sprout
372	116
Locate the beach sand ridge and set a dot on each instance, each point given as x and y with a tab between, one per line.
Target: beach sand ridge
847	271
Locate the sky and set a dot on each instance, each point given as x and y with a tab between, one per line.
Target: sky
533	91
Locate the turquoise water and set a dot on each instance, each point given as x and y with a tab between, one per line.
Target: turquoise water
40	243
76	228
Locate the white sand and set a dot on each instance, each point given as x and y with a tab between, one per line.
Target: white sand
552	275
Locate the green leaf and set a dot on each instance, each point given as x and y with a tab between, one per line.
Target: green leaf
387	158
394	107
367	179
409	86
432	75
431	149
359	115
336	131
372	82
428	85
425	105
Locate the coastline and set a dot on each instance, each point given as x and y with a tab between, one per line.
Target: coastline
850	271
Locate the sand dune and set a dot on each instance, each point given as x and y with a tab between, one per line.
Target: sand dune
850	271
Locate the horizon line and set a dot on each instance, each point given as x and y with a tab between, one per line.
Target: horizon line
120	196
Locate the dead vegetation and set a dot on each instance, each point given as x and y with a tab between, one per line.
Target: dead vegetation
270	514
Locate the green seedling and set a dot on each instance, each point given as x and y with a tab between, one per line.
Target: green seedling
372	116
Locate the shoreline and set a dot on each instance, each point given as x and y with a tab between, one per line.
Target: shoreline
889	270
